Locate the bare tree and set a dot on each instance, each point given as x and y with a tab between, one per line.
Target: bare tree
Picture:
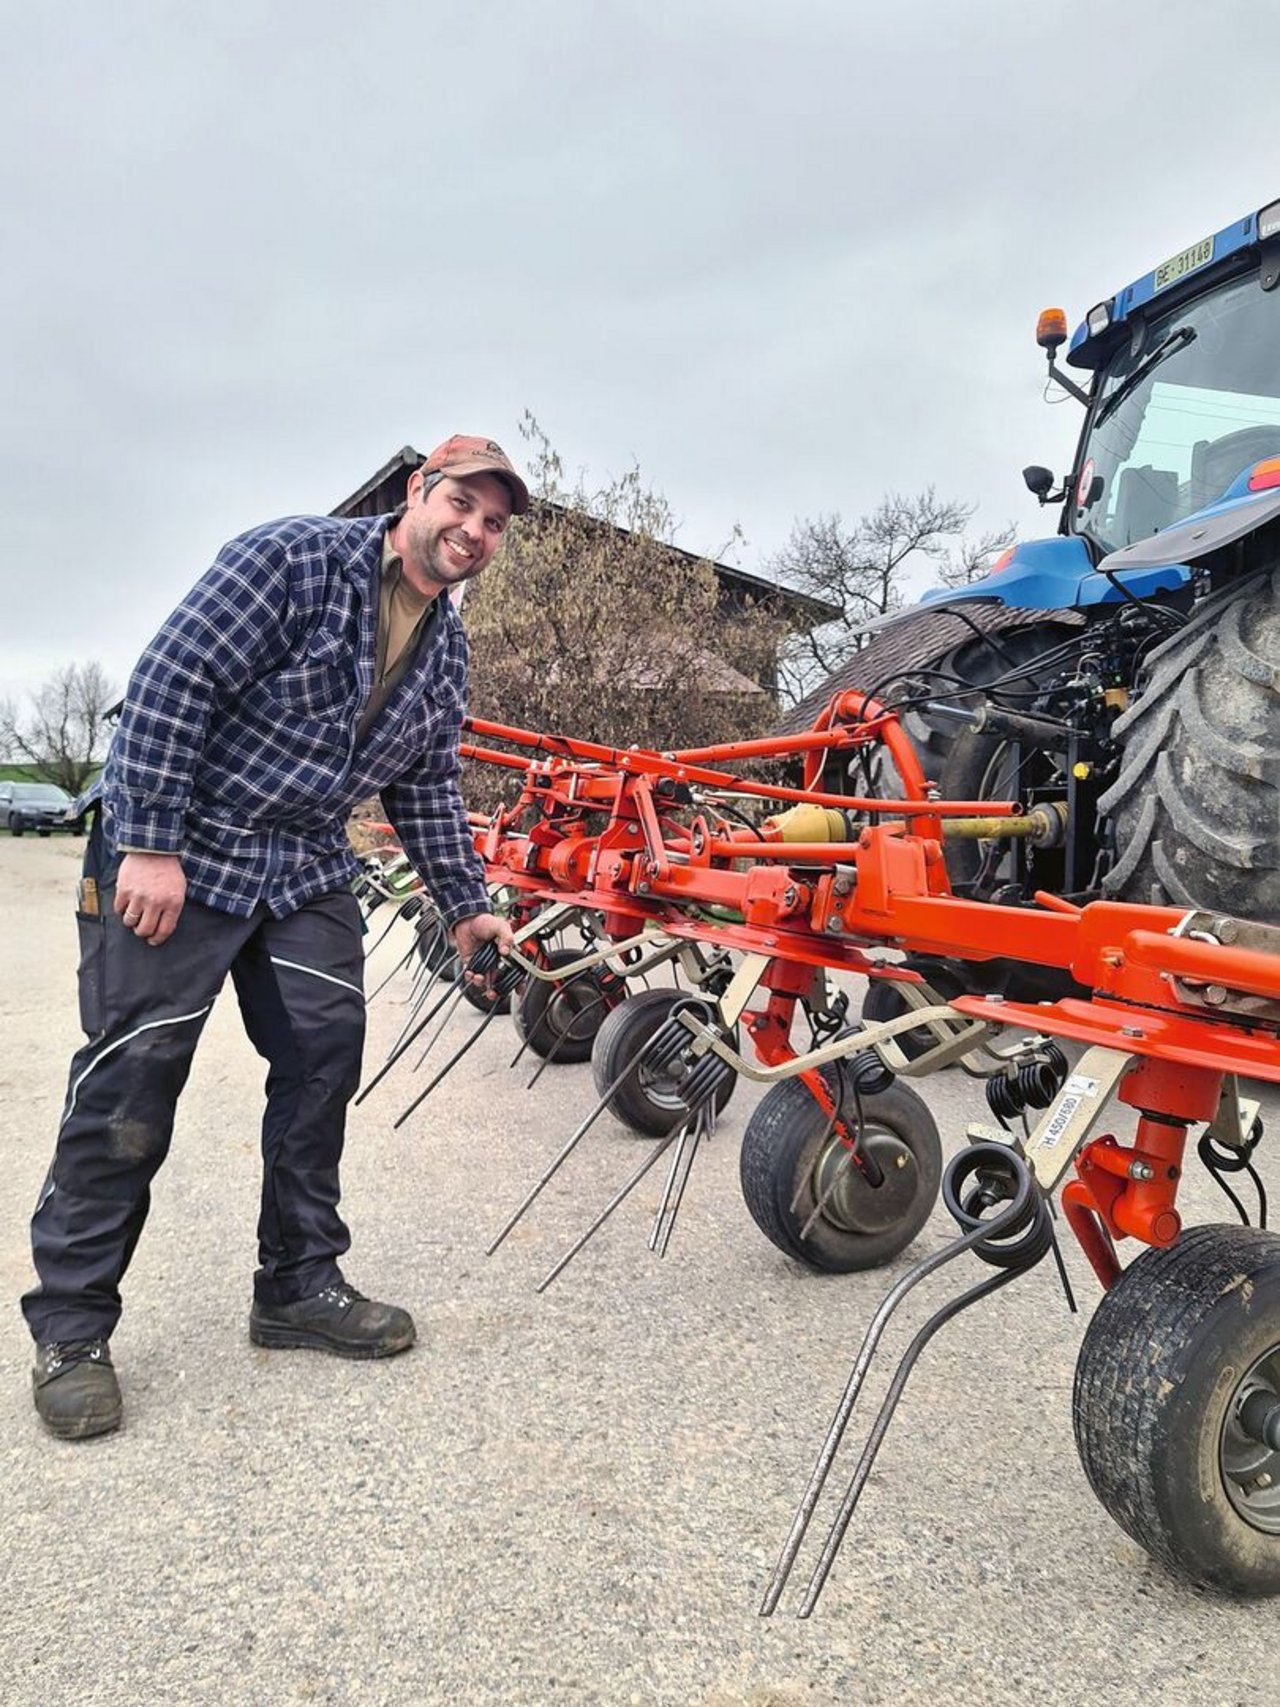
62	732
973	558
592	623
861	569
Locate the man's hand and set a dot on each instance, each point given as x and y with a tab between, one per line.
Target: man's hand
471	934
150	891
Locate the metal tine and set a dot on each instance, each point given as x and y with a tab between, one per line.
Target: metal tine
818	1149
399	966
440	1030
914	1275
576	1136
416	1000
400	1048
660	1150
884	1416
411	905
448	1067
1061	1266
687	1149
846	1162
529	1039
553	1053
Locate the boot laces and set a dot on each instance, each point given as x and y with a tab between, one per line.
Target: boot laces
342	1295
62	1354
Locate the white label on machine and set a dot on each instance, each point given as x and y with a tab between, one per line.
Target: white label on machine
1065	1125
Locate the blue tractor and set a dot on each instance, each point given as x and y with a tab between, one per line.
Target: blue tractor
1143	705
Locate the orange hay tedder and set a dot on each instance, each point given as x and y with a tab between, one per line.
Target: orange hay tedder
653	858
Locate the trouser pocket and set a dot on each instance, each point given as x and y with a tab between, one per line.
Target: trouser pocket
92	974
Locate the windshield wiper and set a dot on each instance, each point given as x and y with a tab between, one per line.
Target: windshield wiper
1175	341
1163	350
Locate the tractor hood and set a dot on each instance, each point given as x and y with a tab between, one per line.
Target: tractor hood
1231	517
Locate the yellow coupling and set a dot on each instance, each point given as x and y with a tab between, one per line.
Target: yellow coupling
810	824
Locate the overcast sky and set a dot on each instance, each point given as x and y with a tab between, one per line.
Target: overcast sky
785	258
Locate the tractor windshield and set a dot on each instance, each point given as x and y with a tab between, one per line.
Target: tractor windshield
1190	402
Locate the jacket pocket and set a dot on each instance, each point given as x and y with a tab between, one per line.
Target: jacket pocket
319	681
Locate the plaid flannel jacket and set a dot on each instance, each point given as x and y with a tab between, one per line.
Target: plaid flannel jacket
236	746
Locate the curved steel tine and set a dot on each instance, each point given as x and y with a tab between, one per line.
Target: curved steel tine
659	1150
448	1067
401	1048
416	1001
677	1155
399	913
914	1275
449	1011
399	966
880	1427
564	1037
669	1208
543	1019
579	1132
846	1162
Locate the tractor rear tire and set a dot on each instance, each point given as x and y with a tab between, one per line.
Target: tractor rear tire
1182	1340
1196	804
791	1159
647	1101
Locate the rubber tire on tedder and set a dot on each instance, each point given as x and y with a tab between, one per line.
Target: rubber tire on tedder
1184	1337
560	1021
646	1100
790	1156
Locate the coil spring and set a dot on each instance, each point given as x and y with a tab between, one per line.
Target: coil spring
704	1080
672	1039
867	1073
1034	1084
979	1178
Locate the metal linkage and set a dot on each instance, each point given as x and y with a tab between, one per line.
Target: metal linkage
1013	1241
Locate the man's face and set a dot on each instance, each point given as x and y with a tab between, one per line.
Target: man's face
449	535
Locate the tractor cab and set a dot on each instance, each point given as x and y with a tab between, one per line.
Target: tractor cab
1184	406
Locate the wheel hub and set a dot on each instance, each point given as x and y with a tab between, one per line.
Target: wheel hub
848	1201
1250	1464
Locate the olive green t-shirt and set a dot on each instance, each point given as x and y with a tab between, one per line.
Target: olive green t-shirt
404	616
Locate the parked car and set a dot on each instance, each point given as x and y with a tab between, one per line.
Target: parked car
39	806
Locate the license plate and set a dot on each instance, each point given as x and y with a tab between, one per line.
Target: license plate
1198	255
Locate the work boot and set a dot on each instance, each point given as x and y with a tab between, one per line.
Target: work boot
339	1319
76	1391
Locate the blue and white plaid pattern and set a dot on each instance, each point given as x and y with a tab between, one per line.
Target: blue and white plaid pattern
236	747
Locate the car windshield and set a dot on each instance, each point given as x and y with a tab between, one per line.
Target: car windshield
1205	411
40	794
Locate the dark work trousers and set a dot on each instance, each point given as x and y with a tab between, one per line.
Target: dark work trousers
300	985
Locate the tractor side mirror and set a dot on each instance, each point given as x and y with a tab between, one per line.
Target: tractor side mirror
1039	482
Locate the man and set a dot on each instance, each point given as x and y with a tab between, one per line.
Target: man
317	661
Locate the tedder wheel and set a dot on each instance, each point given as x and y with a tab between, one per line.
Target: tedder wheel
1177	1406
792	1161
560	1021
646	1100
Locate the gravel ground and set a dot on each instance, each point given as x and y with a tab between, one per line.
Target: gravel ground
575	1497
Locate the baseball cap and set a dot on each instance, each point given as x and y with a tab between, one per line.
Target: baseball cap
462	455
